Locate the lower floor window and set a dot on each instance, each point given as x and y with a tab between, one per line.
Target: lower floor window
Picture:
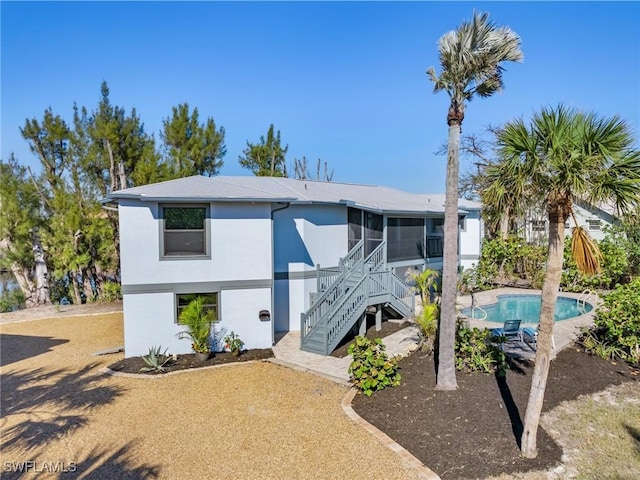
210	302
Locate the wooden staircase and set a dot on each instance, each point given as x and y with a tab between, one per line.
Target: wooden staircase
345	292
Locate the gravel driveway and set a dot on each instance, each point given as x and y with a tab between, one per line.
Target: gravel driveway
249	421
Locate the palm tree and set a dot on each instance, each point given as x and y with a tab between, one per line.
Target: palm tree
470	59
503	194
563	155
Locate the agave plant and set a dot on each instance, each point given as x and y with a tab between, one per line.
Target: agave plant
156	361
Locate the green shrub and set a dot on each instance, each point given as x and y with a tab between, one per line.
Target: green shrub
428	323
476	351
371	368
111	291
504	261
616	330
156	361
197	320
12	299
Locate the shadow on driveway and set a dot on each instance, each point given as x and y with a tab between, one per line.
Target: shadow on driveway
14	348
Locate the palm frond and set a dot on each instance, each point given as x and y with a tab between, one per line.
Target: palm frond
585	251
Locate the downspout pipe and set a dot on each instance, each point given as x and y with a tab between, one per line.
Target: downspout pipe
273	272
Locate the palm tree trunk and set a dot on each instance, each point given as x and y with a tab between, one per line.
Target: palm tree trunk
504	222
446	377
543	351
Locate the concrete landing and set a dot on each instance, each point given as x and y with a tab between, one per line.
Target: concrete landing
287	352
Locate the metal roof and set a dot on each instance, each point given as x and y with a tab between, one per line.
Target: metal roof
276	189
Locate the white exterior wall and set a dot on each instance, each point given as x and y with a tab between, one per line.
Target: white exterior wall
239	313
239	269
240	246
471	239
582	215
304	236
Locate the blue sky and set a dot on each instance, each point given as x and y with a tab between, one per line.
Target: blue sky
342	81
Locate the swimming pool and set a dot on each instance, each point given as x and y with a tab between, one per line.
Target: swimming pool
526	308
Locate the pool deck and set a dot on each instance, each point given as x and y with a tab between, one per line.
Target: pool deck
564	331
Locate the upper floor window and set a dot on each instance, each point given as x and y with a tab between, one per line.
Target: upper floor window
184	231
594	224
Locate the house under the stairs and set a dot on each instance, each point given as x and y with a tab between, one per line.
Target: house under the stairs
273	255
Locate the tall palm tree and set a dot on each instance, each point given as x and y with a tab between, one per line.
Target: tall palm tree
566	154
470	61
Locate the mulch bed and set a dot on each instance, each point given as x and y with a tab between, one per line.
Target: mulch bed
387	328
188	361
474	431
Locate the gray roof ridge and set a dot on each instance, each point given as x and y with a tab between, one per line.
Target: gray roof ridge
221	178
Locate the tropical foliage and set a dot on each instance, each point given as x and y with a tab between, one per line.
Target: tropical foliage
156	361
471	59
562	155
476	351
616	332
505	261
197	320
372	369
427	285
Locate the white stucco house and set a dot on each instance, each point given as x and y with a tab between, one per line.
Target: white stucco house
594	218
274	255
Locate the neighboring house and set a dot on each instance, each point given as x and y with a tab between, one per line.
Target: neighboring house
593	218
274	255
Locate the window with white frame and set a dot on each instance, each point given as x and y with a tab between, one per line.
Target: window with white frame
210	302
184	231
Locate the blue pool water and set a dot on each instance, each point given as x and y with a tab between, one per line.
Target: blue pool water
527	309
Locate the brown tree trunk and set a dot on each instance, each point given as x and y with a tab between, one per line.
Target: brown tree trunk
557	217
446	376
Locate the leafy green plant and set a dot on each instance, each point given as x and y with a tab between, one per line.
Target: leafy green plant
505	261
616	330
233	343
477	351
426	283
111	291
11	299
427	320
197	320
372	369
156	361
